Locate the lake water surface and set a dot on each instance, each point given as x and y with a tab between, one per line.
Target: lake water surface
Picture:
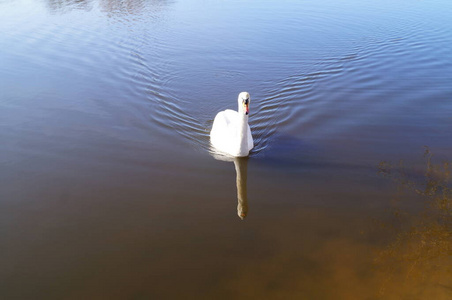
109	188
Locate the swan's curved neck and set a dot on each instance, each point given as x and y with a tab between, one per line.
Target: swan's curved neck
243	133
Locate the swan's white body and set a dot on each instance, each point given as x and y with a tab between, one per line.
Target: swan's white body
231	133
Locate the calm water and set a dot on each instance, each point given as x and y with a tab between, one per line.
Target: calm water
109	188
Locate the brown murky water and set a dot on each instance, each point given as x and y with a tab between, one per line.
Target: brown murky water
109	188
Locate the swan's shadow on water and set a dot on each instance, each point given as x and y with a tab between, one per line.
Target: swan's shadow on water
284	151
241	169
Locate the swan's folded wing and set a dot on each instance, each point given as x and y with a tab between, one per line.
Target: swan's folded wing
231	116
223	129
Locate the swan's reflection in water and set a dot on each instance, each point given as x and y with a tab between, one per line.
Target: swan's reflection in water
241	169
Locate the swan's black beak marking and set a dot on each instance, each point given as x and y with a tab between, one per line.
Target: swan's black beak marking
245	104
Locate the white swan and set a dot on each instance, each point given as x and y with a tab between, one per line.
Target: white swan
230	132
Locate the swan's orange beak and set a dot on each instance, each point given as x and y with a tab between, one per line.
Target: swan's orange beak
246	109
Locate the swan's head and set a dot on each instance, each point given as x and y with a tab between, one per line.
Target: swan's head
244	102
